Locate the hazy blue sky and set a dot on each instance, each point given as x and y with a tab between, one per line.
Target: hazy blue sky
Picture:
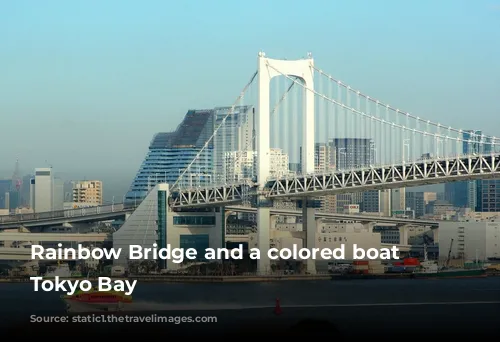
85	84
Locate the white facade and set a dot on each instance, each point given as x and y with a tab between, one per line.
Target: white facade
240	165
243	164
470	239
328	235
58	195
398	199
385	202
236	134
44	190
139	229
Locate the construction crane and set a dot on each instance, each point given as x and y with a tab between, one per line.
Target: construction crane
449	254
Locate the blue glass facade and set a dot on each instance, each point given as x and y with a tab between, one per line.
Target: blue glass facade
171	153
488	195
469	194
162	223
199	242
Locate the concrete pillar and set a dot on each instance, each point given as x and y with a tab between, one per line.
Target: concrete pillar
403	235
309	226
369	226
218	238
263	236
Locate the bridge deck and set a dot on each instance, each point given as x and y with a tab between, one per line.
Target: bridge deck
70	215
385	177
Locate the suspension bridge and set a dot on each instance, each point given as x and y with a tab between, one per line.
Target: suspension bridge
340	140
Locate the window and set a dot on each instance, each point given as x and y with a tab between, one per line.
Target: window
194	220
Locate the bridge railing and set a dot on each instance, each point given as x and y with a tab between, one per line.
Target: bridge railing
59	214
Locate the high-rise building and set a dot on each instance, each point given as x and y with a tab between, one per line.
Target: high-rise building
5	186
32	193
343	154
87	192
14	199
25	190
351	153
398	199
488	195
44	190
415	201
234	135
58	195
171	153
370	202
465	194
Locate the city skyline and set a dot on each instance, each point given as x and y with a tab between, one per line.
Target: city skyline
115	117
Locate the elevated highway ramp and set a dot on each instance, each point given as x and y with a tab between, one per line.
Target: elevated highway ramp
59	237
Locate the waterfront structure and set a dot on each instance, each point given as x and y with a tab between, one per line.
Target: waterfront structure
153	221
327	235
471	239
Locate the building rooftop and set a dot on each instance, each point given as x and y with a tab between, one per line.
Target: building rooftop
194	130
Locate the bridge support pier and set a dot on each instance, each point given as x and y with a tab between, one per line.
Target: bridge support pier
403	235
369	226
219	237
263	239
310	228
264	206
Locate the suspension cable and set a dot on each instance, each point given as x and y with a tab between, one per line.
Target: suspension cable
389	107
436	135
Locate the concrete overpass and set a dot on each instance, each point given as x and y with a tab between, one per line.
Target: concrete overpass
15	254
59	237
341	217
23	253
55	218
